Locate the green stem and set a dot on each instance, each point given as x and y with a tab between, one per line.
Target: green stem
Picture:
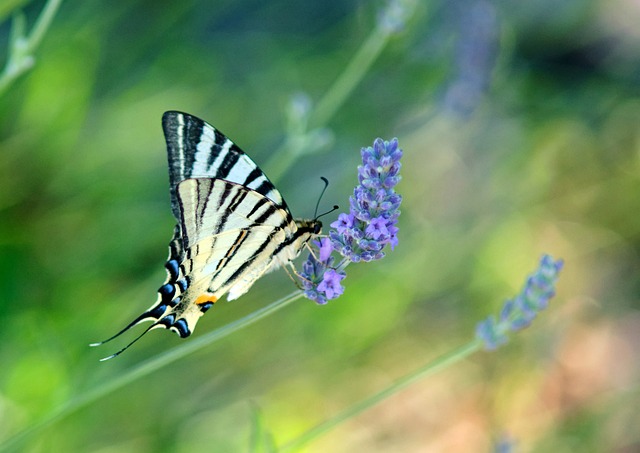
353	74
430	368
146	368
21	48
42	23
285	156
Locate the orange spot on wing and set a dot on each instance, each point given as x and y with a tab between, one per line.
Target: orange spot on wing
206	298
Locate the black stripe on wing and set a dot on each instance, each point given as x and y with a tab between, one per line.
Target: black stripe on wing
197	150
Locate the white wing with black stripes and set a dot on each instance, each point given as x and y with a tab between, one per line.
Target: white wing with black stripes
233	226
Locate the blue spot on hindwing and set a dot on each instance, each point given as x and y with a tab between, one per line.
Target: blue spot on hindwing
204	307
182	328
158	311
167	291
175	301
173	268
168	320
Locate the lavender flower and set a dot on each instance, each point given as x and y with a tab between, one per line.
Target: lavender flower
362	234
330	284
370	225
394	17
505	445
475	57
519	312
320	282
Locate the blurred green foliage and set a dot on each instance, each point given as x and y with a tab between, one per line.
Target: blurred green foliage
519	124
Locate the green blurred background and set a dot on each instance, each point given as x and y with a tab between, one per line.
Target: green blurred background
520	126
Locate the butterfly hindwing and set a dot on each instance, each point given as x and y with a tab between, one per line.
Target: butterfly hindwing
229	235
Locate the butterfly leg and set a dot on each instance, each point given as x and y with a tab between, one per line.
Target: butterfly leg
292	274
308	247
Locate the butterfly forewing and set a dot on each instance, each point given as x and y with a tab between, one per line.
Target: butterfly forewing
197	150
233	225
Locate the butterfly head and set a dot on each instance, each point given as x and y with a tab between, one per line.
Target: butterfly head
315	225
309	227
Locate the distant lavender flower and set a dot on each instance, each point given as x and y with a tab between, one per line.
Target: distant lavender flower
505	445
477	48
370	225
518	313
393	18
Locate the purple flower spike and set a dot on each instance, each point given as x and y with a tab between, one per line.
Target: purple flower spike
362	234
519	312
374	207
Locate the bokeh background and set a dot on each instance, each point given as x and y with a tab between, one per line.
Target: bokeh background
520	126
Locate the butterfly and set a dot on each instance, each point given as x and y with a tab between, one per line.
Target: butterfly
232	226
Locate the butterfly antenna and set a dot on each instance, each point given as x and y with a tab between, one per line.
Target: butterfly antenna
127	346
335	207
326	184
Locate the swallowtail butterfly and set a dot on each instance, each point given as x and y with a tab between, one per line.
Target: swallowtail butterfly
232	226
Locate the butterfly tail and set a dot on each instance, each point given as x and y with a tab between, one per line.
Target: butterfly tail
127	346
153	314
